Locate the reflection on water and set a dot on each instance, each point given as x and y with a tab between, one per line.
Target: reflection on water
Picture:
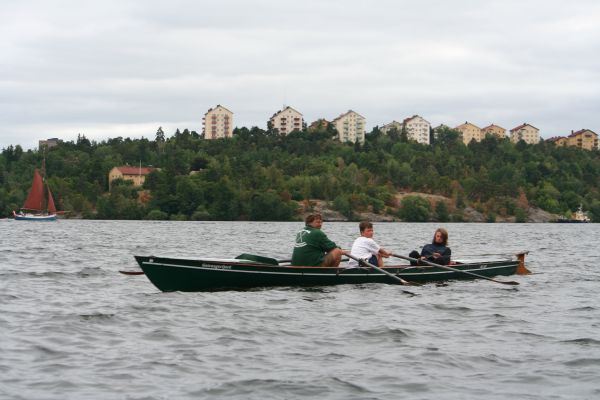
72	327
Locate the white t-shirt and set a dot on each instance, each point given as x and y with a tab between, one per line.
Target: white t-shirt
363	248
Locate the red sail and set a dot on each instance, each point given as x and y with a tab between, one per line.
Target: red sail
51	207
35	198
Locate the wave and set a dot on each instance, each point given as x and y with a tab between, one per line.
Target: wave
96	316
82	273
284	388
584	362
583	341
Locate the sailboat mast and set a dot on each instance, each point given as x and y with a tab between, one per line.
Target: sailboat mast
44	184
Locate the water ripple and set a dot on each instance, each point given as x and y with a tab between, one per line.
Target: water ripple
71	326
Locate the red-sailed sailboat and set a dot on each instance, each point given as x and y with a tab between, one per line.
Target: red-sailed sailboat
36	208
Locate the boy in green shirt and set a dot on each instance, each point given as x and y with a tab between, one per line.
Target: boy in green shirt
313	247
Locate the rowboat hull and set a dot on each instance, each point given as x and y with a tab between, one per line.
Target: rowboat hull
174	274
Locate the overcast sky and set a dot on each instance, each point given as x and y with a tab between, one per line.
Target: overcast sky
123	68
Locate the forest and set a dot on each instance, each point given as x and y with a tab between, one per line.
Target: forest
260	175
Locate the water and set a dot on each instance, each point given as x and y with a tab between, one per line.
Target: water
72	327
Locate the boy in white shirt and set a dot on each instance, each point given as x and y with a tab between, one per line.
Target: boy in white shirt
365	248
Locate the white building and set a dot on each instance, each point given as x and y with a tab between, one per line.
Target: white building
417	129
350	127
218	123
286	121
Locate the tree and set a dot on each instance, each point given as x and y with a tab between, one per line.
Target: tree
414	209
160	135
441	211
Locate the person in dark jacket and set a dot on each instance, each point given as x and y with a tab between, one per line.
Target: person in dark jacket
436	252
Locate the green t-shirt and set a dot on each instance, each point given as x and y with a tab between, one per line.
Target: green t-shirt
311	246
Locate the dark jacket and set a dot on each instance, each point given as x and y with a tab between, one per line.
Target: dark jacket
445	252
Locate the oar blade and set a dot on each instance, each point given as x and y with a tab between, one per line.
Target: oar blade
257	258
131	272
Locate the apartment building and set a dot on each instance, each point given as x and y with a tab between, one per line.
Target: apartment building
493	130
526	132
584	139
286	121
350	127
469	132
417	129
218	123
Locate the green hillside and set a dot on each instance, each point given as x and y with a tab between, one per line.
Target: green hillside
258	175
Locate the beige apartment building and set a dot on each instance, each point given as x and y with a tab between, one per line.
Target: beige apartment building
417	129
218	123
493	130
385	129
469	132
286	121
350	127
584	139
526	132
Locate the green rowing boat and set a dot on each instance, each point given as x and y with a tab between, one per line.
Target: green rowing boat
247	271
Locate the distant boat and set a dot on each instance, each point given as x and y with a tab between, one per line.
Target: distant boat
577	217
37	207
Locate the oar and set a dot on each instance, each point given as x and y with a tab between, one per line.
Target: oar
376	268
456	270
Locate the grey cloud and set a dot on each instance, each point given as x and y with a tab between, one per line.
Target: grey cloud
72	67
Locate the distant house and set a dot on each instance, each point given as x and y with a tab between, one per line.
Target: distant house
135	174
584	139
493	130
218	123
319	125
558	141
526	132
48	143
350	127
385	129
469	132
417	129
286	121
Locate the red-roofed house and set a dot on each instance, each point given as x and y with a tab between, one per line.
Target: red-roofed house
559	141
526	132
135	174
